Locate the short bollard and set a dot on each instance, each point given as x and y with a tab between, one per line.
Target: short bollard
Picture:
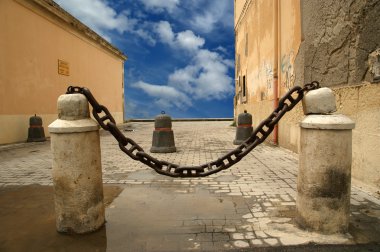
244	128
36	132
163	136
77	172
324	177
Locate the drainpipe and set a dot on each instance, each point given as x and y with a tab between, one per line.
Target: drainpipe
277	64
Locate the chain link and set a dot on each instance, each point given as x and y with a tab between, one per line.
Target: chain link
136	152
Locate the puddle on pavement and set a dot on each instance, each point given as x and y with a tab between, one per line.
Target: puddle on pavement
158	218
139	218
28	222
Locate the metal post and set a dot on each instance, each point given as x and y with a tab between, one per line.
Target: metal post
324	177
77	172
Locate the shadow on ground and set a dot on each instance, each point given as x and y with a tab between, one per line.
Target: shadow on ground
28	222
139	218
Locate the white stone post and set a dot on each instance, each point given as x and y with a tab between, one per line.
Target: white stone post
77	172
324	177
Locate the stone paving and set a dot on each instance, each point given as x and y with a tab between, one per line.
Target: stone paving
261	187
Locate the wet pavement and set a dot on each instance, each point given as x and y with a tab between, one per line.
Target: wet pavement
248	207
28	222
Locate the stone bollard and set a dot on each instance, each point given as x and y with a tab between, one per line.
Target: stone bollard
324	176
163	135
244	128
36	132
77	172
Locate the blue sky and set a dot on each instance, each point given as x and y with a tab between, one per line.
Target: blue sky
180	53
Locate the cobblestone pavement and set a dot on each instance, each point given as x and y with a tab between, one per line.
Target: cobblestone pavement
257	195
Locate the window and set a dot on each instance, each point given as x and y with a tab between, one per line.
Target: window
244	86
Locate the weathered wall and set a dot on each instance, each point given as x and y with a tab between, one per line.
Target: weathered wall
289	42
255	39
362	104
273	32
32	41
341	41
339	36
335	42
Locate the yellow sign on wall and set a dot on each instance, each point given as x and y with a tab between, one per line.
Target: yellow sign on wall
63	68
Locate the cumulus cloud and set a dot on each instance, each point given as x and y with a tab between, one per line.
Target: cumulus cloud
214	12
146	36
182	40
102	18
165	32
165	96
183	78
206	78
188	40
160	5
97	15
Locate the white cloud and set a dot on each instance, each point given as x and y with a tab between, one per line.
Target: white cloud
97	15
160	5
165	96
145	35
165	32
229	63
182	40
204	22
188	40
221	49
214	12
206	78
102	18
183	78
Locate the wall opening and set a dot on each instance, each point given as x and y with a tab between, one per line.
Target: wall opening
244	86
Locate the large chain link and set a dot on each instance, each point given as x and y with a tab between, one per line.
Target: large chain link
136	152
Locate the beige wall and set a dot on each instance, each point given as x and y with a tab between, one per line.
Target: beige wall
289	41
362	104
271	54
32	41
299	62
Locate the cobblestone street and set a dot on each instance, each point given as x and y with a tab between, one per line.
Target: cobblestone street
249	205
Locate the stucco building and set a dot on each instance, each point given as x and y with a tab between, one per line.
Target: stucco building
282	43
43	49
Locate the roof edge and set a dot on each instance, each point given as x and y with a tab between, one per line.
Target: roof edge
69	19
247	4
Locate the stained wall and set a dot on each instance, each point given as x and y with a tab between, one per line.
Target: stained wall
34	36
334	42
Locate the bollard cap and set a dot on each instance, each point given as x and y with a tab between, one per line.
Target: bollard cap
35	120
244	118
327	122
73	115
319	101
72	107
163	121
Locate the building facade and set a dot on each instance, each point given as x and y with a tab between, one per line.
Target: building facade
282	43
43	50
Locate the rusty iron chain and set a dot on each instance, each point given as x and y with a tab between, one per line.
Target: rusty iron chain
136	152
